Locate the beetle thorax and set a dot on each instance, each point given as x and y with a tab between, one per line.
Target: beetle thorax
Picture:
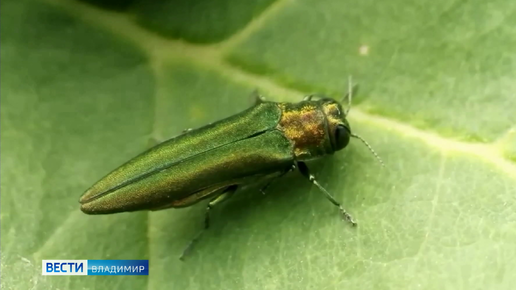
304	124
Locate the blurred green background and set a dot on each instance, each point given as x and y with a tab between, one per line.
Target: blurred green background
86	85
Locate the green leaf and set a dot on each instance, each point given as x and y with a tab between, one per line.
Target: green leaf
84	88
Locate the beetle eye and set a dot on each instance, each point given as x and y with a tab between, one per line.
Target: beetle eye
342	135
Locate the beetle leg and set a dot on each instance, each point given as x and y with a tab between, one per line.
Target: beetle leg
186	130
306	173
151	142
257	97
226	194
314	95
264	188
308	98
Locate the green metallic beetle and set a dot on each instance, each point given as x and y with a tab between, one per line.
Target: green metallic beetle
261	143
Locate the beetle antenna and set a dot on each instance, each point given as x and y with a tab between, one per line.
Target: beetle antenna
352	89
370	148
